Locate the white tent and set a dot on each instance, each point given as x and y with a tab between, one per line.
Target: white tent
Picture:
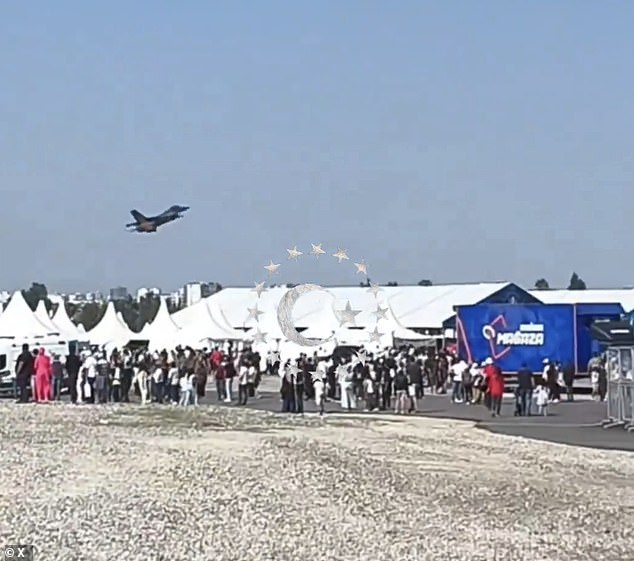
198	325
111	331
41	313
161	332
66	325
19	322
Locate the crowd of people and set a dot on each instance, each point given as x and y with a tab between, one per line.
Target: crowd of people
392	380
179	376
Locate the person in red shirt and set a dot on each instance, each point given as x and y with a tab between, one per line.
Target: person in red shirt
216	358
43	375
495	380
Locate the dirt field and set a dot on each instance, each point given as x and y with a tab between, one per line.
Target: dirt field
102	483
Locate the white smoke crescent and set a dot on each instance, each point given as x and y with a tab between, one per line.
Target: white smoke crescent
285	314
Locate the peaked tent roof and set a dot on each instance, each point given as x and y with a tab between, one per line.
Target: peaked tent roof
162	332
41	313
65	324
19	322
110	329
123	321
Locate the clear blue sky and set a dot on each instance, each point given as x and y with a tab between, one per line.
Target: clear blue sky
454	141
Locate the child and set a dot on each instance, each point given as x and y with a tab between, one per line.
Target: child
186	390
541	398
192	381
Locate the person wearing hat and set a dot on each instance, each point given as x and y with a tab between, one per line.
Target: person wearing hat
495	380
487	372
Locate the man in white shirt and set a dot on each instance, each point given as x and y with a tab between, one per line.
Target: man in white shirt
457	370
90	368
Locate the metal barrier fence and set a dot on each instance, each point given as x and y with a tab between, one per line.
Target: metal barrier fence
620	404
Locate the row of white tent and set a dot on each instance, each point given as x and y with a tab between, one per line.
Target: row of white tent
202	324
229	315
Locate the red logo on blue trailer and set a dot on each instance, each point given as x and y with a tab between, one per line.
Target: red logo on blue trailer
489	332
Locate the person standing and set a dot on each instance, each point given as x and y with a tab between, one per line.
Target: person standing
385	381
415	378
127	374
243	381
100	385
287	389
185	389
400	388
467	383
298	385
43	374
24	370
542	399
90	367
72	366
230	375
172	376
569	380
457	371
496	389
551	375
219	374
525	386
318	390
57	369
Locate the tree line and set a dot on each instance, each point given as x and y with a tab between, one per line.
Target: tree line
575	283
138	313
135	313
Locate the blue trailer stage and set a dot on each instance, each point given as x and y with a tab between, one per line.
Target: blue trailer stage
513	334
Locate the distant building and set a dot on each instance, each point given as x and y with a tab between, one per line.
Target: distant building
119	293
209	288
193	293
196	291
176	298
143	292
56	298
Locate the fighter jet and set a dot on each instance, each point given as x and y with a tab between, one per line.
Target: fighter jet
147	224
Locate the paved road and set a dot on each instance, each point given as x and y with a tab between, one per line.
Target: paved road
576	423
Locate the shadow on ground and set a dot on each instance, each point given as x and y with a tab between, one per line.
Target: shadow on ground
576	423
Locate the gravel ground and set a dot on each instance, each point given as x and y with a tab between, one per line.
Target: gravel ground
152	483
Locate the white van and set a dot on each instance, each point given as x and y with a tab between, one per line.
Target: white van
9	352
7	375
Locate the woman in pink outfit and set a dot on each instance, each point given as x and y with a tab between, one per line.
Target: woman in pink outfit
43	374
